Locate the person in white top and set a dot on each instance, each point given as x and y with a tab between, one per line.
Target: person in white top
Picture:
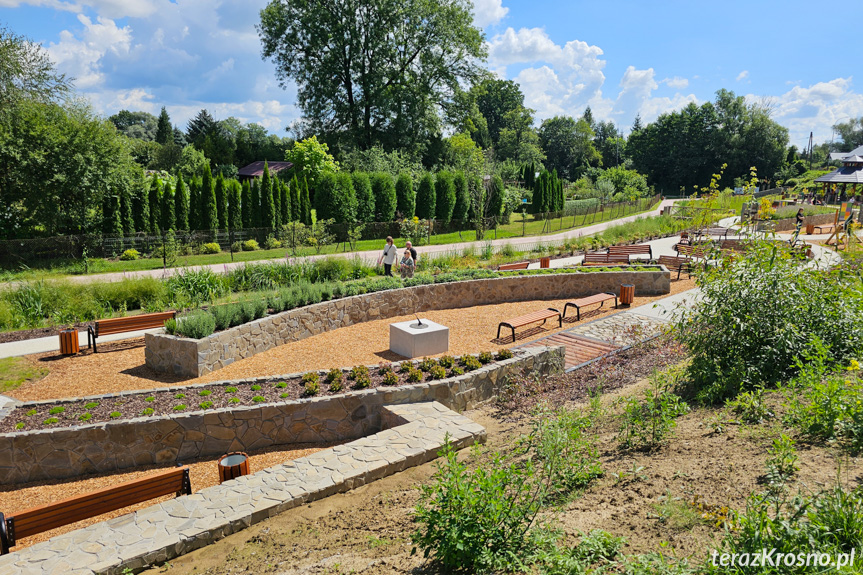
388	257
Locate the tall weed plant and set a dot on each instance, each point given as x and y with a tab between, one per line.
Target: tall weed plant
756	317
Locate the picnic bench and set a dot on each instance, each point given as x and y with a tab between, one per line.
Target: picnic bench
603	259
533	317
513	266
632	250
124	324
676	263
46	517
599	298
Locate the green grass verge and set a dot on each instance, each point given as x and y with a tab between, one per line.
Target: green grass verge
16	370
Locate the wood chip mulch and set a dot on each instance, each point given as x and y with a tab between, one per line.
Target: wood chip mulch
119	366
203	472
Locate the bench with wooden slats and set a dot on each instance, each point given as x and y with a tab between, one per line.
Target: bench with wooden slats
46	517
604	259
825	229
533	317
632	250
124	324
676	263
599	298
710	232
514	266
691	251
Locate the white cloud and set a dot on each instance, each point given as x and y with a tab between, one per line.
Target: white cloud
81	58
816	108
677	82
487	12
742	75
114	9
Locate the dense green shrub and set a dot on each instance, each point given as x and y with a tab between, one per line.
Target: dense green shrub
211	248
462	197
335	197
757	316
196	286
426	198
445	191
384	192
405	197
130	255
195	325
365	198
250	246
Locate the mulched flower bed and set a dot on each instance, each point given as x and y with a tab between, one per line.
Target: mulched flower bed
175	401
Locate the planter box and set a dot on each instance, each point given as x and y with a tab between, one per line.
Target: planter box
192	358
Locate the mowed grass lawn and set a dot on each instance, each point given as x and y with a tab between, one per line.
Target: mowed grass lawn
16	370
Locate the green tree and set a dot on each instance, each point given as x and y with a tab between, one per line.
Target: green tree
181	205
851	134
141	207
305	204
462	197
568	145
518	140
335	198
166	209
199	127
221	202
405	198
126	209
192	164
209	212
112	222
311	160
373	71
248	220
296	203
268	211
164	130
445	190
194	203
155	206
462	154
426	198
496	198
384	191
365	197
257	220
495	98
284	203
235	213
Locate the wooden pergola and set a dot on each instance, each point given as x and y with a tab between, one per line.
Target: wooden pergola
851	173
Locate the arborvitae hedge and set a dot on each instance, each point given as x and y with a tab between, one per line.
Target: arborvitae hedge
181	205
384	191
221	202
155	211
365	198
305	204
268	211
235	212
256	203
405	198
166	209
296	207
476	191
126	209
209	212
247	204
445	190
195	203
284	203
426	198
335	197
462	197
141	209
496	198
112	219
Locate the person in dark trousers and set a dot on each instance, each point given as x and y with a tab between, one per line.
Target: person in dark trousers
388	257
413	251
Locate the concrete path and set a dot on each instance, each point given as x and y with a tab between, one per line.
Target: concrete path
52	343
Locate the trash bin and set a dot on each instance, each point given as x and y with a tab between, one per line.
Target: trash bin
69	341
233	465
627	293
810	229
544	262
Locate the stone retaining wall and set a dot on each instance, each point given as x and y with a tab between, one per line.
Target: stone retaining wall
788	224
192	358
111	446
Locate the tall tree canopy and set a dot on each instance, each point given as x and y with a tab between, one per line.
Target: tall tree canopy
568	144
495	98
373	71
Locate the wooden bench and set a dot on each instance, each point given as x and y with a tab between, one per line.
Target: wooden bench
691	251
676	263
513	266
598	259
709	232
632	250
46	517
123	324
599	298
529	318
824	229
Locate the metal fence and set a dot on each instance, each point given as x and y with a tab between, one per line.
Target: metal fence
14	253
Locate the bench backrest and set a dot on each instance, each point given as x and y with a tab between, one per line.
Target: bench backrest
514	266
132	322
673	261
631	249
47	517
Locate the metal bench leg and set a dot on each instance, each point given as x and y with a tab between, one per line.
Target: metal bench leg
5	542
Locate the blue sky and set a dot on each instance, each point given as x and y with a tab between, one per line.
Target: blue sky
620	57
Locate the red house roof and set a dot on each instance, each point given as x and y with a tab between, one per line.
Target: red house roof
256	169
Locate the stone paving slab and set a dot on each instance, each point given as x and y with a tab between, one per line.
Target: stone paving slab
621	329
412	434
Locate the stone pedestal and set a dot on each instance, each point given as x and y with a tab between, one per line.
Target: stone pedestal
410	340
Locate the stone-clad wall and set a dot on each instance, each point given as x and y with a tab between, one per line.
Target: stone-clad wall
111	446
193	358
788	224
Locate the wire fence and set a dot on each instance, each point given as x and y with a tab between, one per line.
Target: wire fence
14	253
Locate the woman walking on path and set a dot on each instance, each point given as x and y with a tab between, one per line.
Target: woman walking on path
407	265
388	257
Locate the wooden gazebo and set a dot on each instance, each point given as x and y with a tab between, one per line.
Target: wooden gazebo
850	174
